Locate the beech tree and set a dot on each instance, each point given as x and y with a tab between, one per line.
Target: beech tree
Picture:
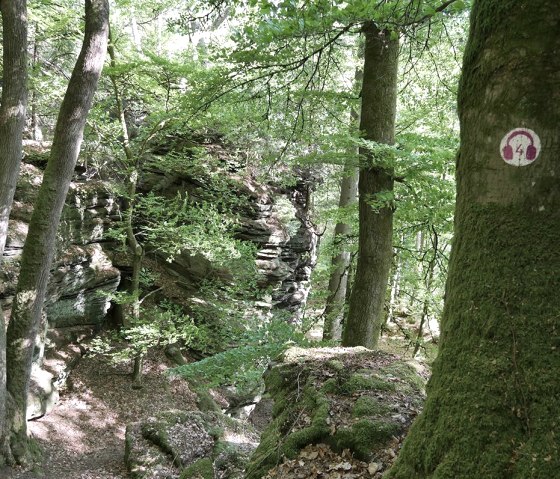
39	246
377	123
12	122
14	103
338	281
492	408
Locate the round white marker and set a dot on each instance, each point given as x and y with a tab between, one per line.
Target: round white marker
520	147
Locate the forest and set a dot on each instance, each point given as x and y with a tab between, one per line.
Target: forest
279	239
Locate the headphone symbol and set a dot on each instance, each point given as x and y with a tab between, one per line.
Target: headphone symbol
531	152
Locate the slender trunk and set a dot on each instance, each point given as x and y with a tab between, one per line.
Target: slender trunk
492	409
39	246
12	122
414	296
341	259
136	38
134	245
35	125
377	123
14	104
428	284
395	286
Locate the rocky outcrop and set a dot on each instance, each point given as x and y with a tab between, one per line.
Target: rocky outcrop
279	225
274	219
331	400
82	275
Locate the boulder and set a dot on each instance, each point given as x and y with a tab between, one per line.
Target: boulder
344	399
188	444
43	393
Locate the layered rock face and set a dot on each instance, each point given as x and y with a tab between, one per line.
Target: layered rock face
82	269
82	276
273	219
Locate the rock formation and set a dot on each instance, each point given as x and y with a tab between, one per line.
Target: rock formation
82	270
330	400
85	271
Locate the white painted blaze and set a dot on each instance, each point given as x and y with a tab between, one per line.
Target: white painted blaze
520	147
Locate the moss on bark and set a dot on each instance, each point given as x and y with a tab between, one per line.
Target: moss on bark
492	409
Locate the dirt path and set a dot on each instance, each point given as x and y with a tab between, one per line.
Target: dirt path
83	437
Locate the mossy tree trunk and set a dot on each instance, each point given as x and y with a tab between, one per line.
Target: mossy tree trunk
377	123
492	409
12	122
14	104
39	246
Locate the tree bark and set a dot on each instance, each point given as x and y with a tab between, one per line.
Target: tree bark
492	409
377	123
14	104
341	259
12	122
39	246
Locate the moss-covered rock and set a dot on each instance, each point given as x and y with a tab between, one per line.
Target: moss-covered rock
188	444
176	439
347	398
369	406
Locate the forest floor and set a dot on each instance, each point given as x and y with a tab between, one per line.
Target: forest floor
83	437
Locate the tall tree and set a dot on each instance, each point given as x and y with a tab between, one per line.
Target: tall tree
39	246
377	124
14	104
12	122
492	408
136	250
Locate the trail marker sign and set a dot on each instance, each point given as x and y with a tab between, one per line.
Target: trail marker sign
520	147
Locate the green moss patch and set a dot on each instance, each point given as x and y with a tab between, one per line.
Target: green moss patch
201	469
364	436
361	382
348	401
369	406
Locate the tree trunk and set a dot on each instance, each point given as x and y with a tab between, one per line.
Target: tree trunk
492	409
14	104
340	265
395	286
35	123
39	246
12	122
377	123
428	290
341	259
